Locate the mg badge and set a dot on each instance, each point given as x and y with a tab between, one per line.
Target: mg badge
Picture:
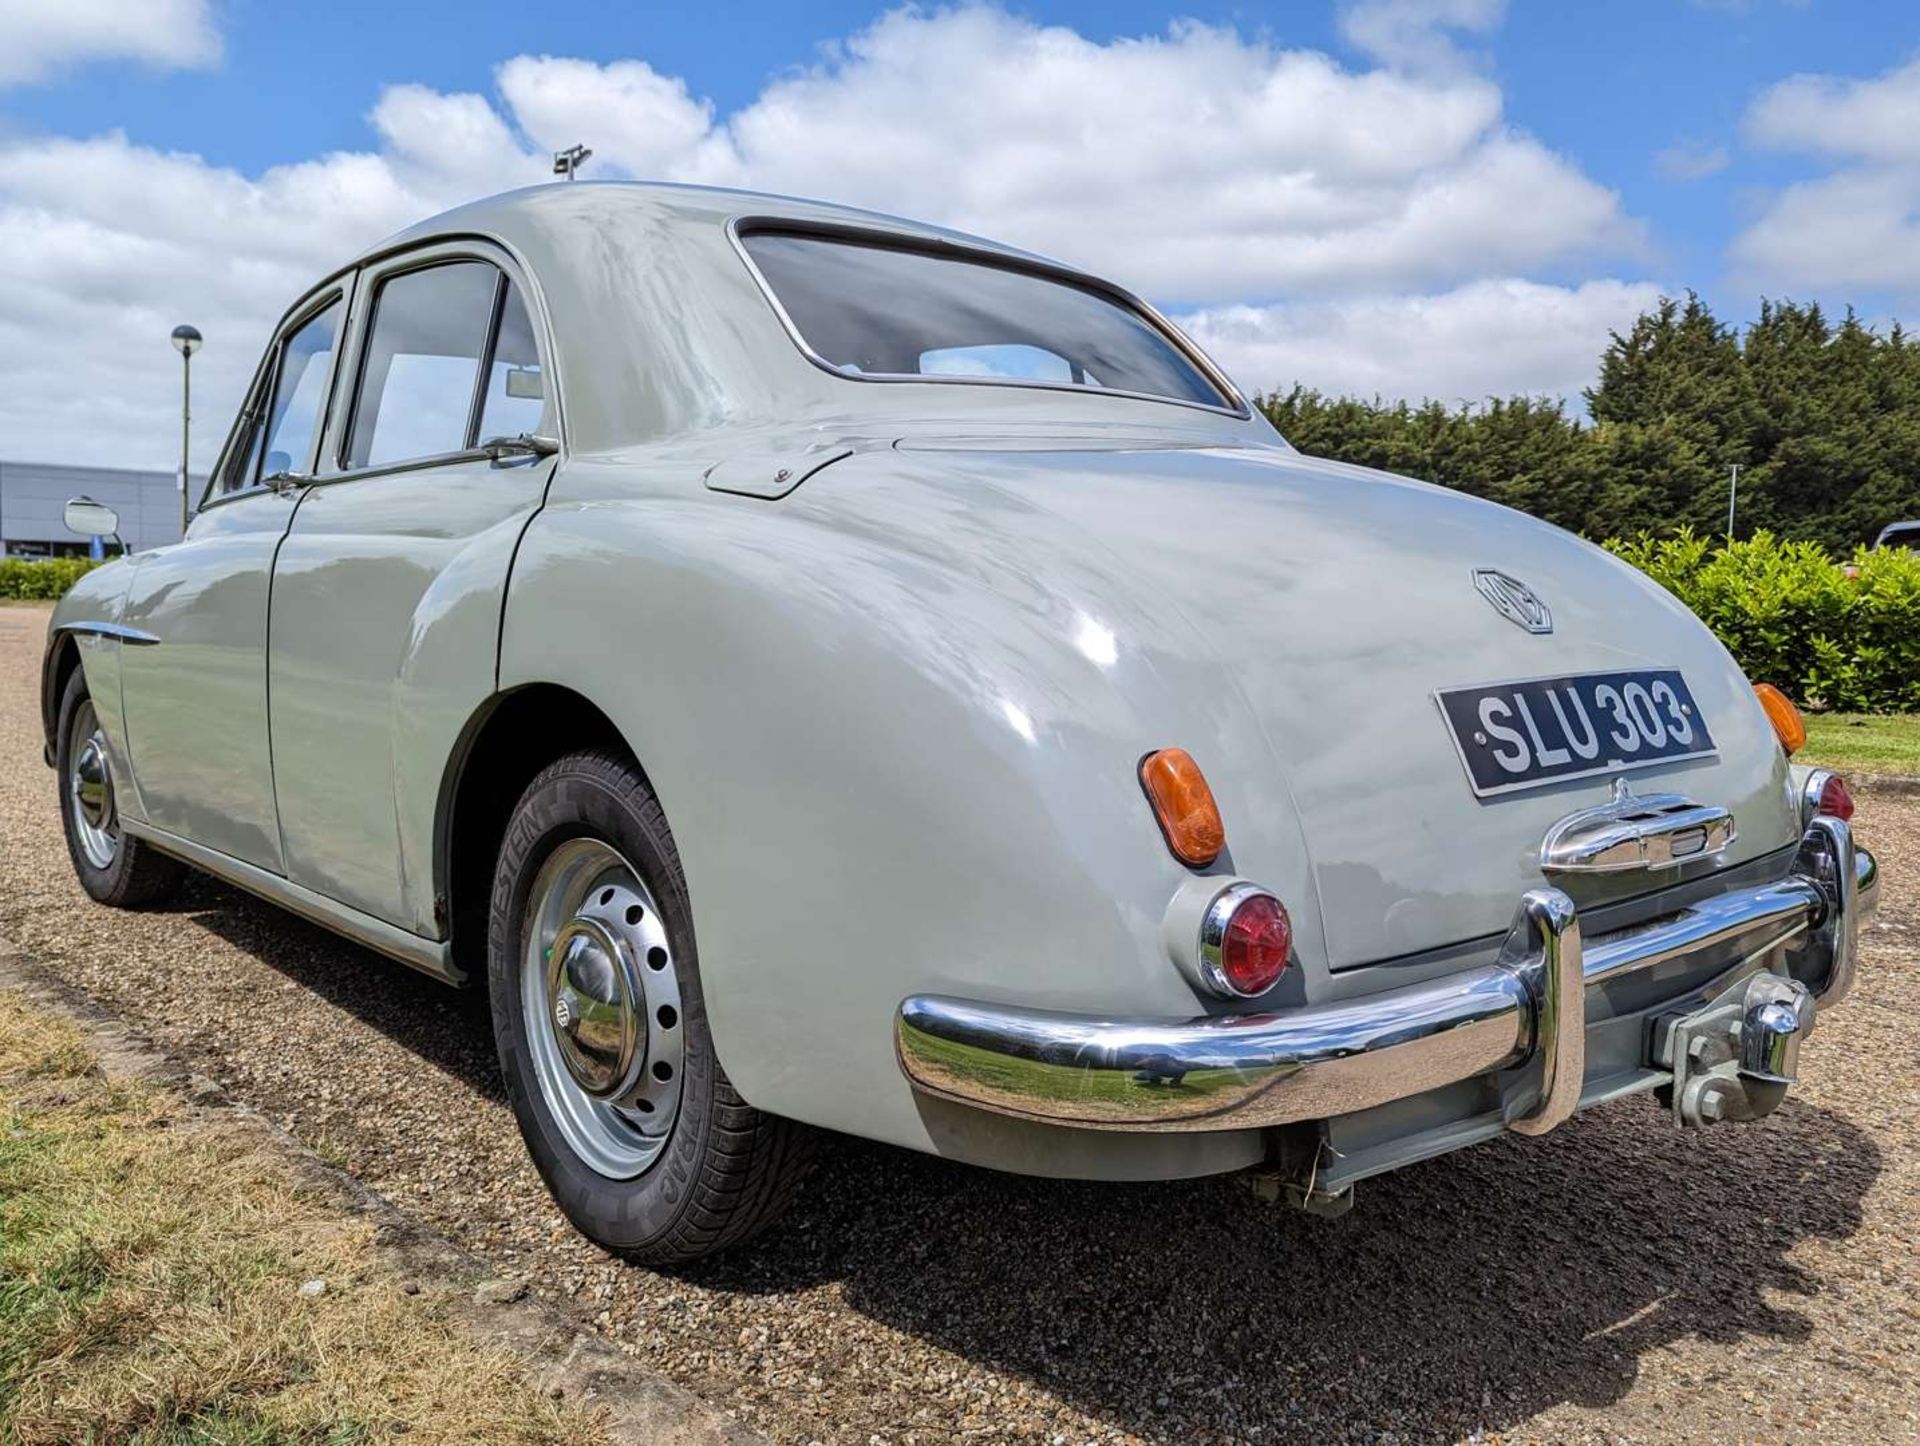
1513	600
563	1014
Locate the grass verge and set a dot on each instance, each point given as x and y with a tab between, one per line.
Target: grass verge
1863	743
151	1265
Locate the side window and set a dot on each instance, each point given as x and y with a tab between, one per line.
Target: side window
300	394
422	365
283	415
516	390
243	462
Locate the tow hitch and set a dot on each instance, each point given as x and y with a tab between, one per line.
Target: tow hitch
1735	1058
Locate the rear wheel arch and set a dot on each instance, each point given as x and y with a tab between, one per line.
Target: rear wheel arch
587	855
506	744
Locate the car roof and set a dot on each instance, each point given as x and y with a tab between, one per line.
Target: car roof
673	204
657	324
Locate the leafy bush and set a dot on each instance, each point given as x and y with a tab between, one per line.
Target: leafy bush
1794	617
1821	414
22	577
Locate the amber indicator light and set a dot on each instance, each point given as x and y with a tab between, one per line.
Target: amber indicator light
1788	726
1184	806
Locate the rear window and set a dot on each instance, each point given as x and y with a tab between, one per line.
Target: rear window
888	312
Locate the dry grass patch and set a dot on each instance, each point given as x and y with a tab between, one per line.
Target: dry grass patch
151	1264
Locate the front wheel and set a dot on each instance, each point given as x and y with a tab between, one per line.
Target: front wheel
111	867
602	1028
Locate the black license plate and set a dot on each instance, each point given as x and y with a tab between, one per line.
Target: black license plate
1543	730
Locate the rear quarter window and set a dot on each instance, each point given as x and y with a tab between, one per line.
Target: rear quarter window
887	312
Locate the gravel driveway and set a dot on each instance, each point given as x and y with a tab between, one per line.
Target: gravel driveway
1618	1280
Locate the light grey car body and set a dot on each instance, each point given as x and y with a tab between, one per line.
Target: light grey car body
889	652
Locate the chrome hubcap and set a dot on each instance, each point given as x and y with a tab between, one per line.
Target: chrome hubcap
598	1009
601	998
96	824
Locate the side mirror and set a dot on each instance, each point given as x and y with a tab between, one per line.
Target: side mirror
92	519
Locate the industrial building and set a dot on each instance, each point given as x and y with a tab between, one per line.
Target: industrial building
33	496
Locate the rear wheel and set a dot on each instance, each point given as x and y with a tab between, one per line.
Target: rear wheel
112	868
602	1030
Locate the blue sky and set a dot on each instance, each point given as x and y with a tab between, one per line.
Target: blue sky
1383	195
1614	83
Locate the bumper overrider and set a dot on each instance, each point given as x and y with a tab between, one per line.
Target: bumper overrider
1785	949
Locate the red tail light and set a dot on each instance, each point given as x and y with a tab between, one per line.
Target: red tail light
1259	939
1836	799
1245	941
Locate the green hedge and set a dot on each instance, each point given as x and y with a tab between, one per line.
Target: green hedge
1794	617
24	577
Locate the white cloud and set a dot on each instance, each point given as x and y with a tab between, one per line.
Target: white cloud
1200	167
41	37
1854	229
1857	226
1490	338
643	122
1691	160
1876	119
1415	34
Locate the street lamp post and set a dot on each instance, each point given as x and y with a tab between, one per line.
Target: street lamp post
568	162
186	340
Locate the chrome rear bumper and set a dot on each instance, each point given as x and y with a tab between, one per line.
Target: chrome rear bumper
1529	1008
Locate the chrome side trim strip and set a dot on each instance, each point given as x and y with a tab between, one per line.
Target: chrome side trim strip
429	956
112	630
1249	1071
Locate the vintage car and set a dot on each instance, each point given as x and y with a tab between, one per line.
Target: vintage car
818	670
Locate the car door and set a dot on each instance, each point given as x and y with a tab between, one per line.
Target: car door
388	589
196	703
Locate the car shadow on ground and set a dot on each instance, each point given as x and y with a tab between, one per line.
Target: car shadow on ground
1470	1292
449	1029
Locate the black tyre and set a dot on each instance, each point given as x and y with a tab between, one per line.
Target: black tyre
602	1027
112	868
